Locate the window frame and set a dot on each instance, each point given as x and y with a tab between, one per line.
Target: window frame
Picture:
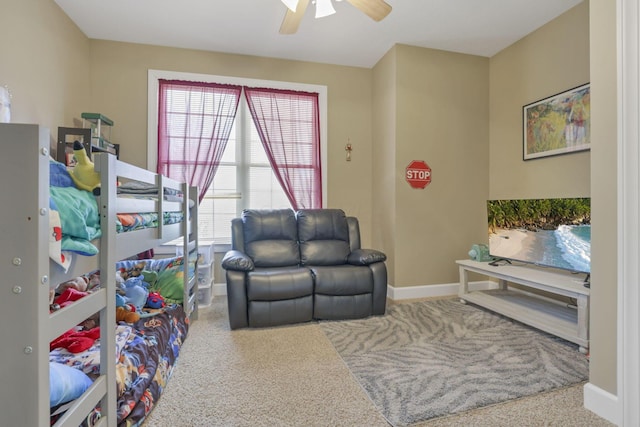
152	111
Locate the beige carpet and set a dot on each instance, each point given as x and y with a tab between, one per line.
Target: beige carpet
292	376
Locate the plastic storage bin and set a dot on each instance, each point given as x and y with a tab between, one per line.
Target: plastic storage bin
205	250
205	294
205	253
205	274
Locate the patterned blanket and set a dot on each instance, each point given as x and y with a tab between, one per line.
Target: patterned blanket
147	362
146	353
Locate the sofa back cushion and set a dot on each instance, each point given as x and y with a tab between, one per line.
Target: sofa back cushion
271	237
324	236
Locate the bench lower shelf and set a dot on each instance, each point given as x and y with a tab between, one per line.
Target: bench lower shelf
554	317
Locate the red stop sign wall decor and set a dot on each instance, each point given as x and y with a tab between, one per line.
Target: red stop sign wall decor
418	174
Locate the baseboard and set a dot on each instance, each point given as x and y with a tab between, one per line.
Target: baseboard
602	403
407	292
427	291
219	289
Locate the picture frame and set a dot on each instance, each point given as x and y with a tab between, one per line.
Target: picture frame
66	138
559	124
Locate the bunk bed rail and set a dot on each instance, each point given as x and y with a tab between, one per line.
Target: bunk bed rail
28	275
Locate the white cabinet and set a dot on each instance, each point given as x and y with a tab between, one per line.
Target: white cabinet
205	273
569	323
205	284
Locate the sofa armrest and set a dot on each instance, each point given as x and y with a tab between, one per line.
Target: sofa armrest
237	261
365	257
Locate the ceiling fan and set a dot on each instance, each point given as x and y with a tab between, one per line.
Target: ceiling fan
375	9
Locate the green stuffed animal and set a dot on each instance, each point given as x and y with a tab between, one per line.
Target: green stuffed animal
151	277
83	173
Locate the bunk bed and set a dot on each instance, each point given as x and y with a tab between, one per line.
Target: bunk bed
29	274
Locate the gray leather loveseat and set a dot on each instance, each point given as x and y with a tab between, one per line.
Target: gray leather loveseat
289	267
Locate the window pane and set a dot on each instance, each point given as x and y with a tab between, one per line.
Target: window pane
229	155
264	190
225	180
205	224
225	211
256	150
244	164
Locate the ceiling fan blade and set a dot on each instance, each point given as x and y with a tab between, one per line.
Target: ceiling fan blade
375	9
291	20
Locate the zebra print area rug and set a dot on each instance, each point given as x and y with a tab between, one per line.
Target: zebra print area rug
432	358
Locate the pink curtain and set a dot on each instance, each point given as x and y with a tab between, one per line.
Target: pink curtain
194	123
288	123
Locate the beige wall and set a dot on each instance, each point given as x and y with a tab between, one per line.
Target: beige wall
119	89
442	118
384	155
604	240
548	61
44	63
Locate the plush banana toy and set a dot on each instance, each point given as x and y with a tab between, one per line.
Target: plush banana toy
83	173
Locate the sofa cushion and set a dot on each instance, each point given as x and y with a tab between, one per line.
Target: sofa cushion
366	257
338	307
237	261
324	236
271	237
343	280
278	284
272	313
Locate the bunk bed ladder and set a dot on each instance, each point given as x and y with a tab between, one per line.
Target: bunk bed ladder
25	292
107	204
190	242
24	265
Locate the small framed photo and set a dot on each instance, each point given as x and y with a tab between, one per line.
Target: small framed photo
559	124
70	159
66	138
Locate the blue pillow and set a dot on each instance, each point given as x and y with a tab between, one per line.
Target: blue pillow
59	175
66	383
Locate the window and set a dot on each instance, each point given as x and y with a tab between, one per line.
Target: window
244	178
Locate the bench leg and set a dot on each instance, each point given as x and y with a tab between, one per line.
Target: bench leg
583	319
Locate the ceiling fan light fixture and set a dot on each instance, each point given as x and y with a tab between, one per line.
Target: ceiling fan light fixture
324	8
291	4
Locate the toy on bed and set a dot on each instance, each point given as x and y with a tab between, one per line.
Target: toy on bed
80	283
164	276
132	285
83	173
76	341
155	300
135	292
68	296
125	315
72	290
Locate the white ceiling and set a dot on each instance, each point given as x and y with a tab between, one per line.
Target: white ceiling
479	27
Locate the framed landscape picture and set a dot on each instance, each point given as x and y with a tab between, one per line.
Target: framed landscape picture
559	124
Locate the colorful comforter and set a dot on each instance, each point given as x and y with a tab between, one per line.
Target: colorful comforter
146	355
147	361
130	222
74	217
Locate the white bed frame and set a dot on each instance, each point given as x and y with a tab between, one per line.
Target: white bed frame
27	273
